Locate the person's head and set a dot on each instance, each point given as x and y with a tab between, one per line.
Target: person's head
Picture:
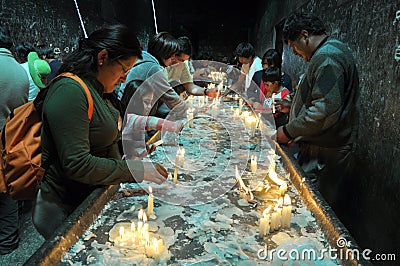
272	79
185	49
142	98
39	69
5	38
108	54
245	52
163	46
271	58
22	50
301	32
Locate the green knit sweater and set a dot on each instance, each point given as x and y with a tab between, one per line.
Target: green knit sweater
82	155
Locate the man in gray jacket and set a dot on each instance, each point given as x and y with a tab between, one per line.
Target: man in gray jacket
14	88
324	113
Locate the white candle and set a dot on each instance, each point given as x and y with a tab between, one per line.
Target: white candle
150	202
274	220
264	222
156	254
121	232
140	214
286	212
273	103
253	163
179	161
279	212
190	117
283	188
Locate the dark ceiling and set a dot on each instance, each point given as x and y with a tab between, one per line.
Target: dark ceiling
219	24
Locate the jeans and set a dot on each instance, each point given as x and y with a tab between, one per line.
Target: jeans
9	237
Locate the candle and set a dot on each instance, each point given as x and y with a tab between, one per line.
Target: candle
236	97
264	222
273	103
179	161
139	226
286	211
150	202
274	220
121	232
240	105
279	212
283	188
170	176
250	124
272	159
156	254
253	163
140	214
190	116
274	177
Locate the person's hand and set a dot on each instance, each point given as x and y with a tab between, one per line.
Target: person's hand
281	136
154	172
150	149
213	93
283	105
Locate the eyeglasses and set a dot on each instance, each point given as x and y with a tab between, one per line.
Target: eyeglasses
267	84
126	71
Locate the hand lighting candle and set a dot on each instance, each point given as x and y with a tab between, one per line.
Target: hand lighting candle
150	202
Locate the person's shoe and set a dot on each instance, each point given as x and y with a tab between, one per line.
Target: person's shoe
8	249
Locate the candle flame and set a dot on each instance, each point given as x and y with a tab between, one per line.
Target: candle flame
155	244
121	231
144	217
280	202
150	190
286	200
274	177
140	214
266	211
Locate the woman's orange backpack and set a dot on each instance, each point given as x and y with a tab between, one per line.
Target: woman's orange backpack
21	170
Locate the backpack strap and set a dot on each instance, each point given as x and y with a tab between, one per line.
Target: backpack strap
84	86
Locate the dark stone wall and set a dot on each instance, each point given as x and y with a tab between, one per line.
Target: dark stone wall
369	29
50	23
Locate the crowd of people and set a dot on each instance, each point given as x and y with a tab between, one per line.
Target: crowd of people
147	89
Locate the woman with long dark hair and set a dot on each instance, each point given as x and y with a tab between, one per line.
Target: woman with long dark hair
81	154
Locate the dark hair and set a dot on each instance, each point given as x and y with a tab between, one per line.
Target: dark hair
297	22
185	46
22	50
118	40
5	38
273	58
245	49
272	74
137	94
163	46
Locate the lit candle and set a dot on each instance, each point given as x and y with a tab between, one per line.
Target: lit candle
283	188
251	122
274	220
236	97
253	163
121	232
264	222
156	254
286	211
170	176
179	161
150	202
279	212
140	214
